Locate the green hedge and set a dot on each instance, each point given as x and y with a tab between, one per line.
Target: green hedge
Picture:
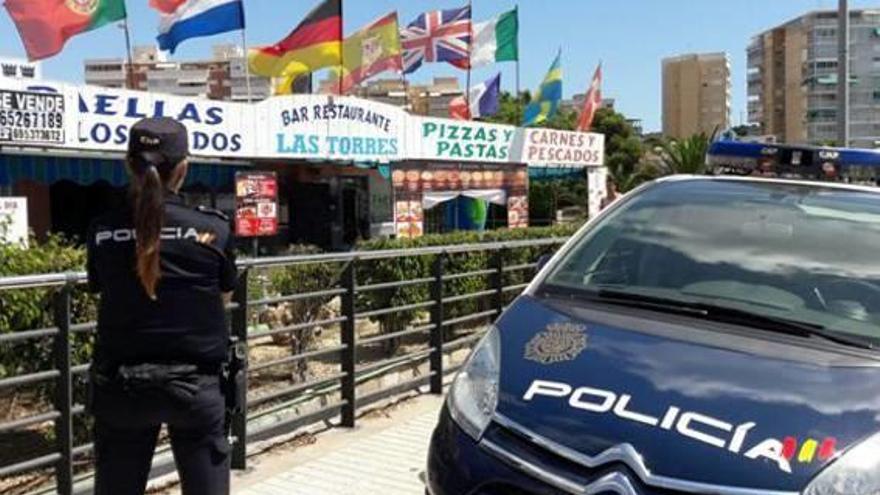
415	267
32	308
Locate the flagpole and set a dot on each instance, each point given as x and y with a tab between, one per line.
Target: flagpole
467	92
129	72
247	65
517	50
341	45
405	90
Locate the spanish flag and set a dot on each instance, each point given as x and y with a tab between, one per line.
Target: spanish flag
373	49
316	43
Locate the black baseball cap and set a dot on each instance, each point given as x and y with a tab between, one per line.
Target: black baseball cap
160	141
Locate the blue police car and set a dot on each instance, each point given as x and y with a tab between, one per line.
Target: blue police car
713	335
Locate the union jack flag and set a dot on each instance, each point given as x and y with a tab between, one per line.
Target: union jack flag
436	36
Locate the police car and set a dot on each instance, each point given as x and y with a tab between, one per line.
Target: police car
703	335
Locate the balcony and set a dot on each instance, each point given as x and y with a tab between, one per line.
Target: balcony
99	76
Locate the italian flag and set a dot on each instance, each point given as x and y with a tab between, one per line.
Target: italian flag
495	40
46	25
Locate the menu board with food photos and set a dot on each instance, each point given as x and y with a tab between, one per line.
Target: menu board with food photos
517	212
256	204
412	180
421	178
409	219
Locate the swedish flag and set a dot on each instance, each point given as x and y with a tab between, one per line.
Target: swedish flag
546	101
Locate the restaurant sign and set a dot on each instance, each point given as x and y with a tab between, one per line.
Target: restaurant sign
216	129
453	140
543	147
310	127
333	128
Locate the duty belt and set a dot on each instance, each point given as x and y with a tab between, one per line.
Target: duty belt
179	381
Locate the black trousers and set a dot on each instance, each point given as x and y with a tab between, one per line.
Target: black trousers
127	428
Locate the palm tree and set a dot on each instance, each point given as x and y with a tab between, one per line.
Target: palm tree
628	176
686	156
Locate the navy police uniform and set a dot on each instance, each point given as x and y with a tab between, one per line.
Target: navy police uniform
159	361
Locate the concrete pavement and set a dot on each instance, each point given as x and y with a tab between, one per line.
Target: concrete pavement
384	455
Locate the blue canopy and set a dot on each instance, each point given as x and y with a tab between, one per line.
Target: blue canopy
85	171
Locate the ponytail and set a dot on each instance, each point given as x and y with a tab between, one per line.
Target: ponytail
149	213
157	150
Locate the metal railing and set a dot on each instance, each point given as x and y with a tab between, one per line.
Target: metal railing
340	392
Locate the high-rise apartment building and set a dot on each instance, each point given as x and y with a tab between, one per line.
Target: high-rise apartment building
792	79
696	94
222	77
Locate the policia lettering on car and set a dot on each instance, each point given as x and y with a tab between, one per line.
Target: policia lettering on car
690	424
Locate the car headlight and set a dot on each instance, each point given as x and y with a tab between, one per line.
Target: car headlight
473	396
857	472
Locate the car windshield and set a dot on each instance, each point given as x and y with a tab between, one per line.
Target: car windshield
807	253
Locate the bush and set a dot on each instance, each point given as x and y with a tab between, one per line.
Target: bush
409	268
32	308
29	309
290	280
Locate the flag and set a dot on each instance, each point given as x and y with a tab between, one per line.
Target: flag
314	44
46	25
496	40
436	36
483	100
545	103
373	49
593	101
166	6
184	19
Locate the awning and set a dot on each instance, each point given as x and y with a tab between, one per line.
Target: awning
85	171
550	173
432	199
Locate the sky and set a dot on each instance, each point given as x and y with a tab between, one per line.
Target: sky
630	37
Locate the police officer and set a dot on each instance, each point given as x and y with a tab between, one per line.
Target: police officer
163	271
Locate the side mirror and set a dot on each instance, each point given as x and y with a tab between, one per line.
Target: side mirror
543	260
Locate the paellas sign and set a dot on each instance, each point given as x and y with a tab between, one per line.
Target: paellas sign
215	128
341	128
554	147
445	139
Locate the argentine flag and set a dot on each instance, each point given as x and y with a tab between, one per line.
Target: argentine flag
184	19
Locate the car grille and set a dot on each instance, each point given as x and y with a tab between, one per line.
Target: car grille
567	472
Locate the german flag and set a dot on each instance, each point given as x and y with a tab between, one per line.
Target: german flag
314	44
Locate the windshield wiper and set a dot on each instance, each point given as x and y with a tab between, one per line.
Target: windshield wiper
726	314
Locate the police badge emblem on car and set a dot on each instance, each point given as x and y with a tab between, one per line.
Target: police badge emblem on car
557	343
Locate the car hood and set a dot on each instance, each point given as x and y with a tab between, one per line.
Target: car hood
708	406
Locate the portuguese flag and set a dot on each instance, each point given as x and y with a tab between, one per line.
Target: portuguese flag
316	43
46	25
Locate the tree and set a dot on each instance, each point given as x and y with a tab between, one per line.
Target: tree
623	150
511	110
686	156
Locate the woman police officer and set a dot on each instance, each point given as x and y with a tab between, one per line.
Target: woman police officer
163	271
